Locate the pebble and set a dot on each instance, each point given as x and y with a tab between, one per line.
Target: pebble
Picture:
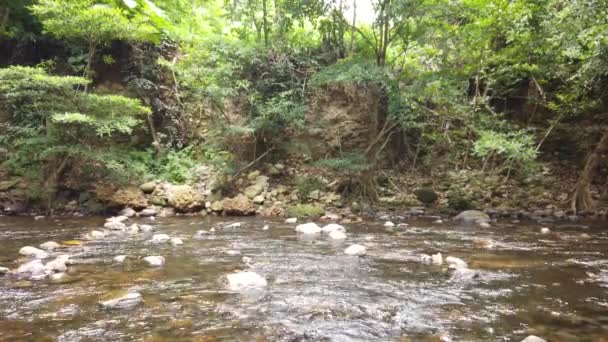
39	217
292	220
160	238
545	230
356	250
266	227
127	212
233	252
484	225
533	338
4	270
176	242
389	224
155	260
115	225
50	245
146	228
133	229
30	251
95	234
120	258
425	258
233	225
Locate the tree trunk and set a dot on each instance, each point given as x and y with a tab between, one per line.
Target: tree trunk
581	197
87	68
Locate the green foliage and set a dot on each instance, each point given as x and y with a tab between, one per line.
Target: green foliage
512	149
426	195
308	184
458	201
305	211
353	163
50	122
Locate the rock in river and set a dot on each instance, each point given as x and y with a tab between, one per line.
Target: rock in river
245	280
176	241
120	258
357	250
310	228
239	206
58	265
50	245
337	235
33	252
472	217
160	238
155	260
454	262
122	301
3	270
332	227
34	268
533	338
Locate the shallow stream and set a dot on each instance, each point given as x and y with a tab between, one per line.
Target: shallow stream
551	285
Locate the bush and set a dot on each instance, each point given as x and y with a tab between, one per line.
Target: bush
306	210
459	202
308	184
426	196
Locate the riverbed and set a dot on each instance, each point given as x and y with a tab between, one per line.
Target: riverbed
553	285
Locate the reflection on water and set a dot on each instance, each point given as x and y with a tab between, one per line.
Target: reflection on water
552	285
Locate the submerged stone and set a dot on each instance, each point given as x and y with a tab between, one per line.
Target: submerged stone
122	300
356	250
245	280
472	217
155	260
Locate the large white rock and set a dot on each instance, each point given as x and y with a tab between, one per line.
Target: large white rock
337	235
95	234
245	280
4	270
57	265
389	224
146	228
50	245
332	227
454	262
437	259
292	220
533	338
133	229
120	259
34	268
33	252
357	250
128	212
125	301
545	230
176	242
115	225
160	238
121	218
310	228
155	260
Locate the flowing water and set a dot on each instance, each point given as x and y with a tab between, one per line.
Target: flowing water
552	285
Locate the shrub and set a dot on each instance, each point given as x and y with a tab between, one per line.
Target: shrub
308	184
458	201
426	195
305	210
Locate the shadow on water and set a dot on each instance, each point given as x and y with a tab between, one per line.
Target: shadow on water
551	285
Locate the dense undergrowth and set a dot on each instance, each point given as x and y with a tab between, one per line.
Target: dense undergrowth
138	90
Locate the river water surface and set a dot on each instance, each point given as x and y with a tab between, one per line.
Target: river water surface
551	285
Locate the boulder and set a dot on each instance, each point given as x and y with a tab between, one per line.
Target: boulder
253	190
245	280
217	206
437	259
129	197
472	217
292	220
122	301
155	260
148	187
533	338
184	198
389	224
115	225
310	228
356	250
259	199
127	212
239	206
50	245
150	211
33	252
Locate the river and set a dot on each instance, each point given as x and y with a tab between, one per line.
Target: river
551	285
